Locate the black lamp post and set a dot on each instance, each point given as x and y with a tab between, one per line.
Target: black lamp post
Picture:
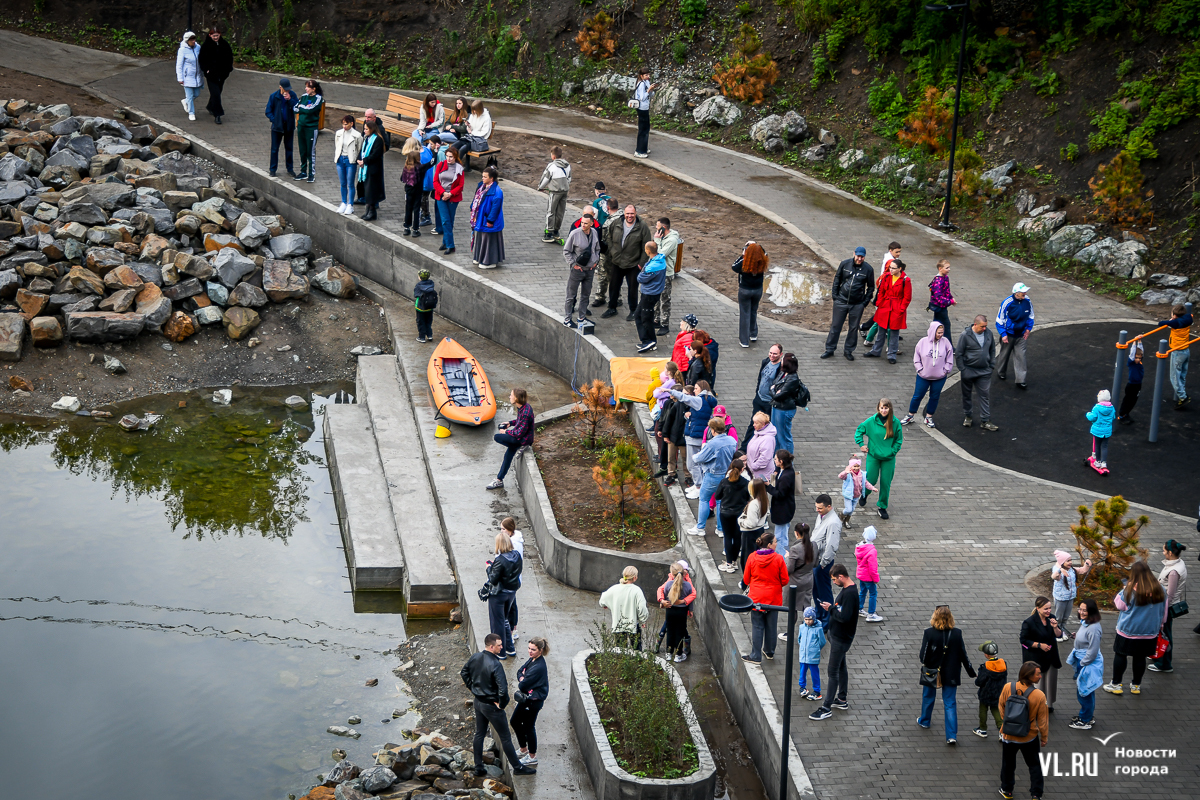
944	222
189	27
740	603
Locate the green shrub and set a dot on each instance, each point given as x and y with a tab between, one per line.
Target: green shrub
1046	85
1113	125
1070	152
679	50
887	104
693	12
744	9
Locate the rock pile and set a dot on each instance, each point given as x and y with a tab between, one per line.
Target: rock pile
430	768
109	230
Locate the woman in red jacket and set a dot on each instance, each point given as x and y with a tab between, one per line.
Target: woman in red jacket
447	194
892	296
764	577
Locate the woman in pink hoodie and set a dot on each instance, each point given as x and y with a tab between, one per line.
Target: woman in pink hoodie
760	450
934	359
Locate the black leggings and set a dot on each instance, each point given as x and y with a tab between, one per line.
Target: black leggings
749	538
412	197
1119	663
524	724
733	537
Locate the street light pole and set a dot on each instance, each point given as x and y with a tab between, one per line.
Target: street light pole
944	223
189	27
787	692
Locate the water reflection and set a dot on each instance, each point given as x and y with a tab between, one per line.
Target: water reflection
789	287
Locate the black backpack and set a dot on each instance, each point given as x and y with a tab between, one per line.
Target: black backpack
429	300
1016	713
802	395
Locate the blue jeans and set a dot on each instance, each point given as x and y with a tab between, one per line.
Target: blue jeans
822	593
935	393
815	671
949	701
499	611
446	211
1087	702
345	170
1179	366
708	485
866	588
510	443
782	420
781	538
191	93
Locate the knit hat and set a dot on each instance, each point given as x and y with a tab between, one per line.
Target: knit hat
869	533
854	460
423	274
810	613
1062	557
989	648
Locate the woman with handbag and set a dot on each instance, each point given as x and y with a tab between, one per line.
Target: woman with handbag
487	222
943	655
370	168
1172	577
504	578
785	396
479	130
533	687
456	120
1039	643
1143	607
641	102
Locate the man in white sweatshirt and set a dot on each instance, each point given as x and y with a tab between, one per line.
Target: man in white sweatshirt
826	536
556	179
628	606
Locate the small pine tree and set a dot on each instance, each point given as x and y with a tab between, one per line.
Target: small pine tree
622	480
597	40
928	126
1109	540
746	73
593	409
1117	190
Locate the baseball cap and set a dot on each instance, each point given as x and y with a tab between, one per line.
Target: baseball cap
1020	287
691	320
285	83
600	185
989	648
860	251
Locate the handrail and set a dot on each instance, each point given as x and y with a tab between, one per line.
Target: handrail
1183	346
1139	337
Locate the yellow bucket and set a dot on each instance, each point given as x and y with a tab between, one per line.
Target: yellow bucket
442	432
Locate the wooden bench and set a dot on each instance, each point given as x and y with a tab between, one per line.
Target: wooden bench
403	107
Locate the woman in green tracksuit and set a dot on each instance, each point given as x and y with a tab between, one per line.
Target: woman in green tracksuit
884	436
309	109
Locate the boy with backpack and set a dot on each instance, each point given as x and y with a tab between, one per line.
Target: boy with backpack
1026	730
993	674
425	299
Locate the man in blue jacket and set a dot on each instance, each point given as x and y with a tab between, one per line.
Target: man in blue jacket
281	111
1014	322
651	281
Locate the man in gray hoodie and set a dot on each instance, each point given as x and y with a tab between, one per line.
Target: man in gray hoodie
556	179
668	241
582	254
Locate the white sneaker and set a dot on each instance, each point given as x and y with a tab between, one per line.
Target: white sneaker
862	613
696	531
515	636
874	618
692	493
192	117
183	102
349	210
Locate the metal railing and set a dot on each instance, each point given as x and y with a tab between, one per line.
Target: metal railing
1160	368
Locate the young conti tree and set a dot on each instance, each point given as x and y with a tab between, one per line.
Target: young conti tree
596	40
1109	540
621	479
593	409
928	126
1117	190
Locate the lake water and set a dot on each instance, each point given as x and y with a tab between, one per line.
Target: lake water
175	618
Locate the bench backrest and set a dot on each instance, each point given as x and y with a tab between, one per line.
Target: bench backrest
408	107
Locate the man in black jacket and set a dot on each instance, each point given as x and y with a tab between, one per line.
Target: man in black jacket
975	355
853	287
842	627
484	676
766	376
216	61
626	244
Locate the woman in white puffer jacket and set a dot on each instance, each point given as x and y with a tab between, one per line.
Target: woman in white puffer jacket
188	73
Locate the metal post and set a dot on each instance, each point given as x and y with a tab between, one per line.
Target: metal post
189	27
962	50
1160	373
1119	372
787	693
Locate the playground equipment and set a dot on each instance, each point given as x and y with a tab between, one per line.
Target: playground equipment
1160	368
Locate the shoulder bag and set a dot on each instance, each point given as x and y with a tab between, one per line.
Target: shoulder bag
930	675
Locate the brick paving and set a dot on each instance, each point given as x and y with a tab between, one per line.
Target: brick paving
960	532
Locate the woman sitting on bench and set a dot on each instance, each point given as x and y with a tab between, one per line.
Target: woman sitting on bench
479	130
433	117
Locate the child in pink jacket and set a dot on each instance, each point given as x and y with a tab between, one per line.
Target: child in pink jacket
868	574
854	483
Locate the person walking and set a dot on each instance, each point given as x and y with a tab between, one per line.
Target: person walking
760	450
188	73
733	494
843	623
516	436
1143	607
347	144
1014	323
484	677
764	577
1135	373
668	241
975	354
612	220
810	641
370	168
853	288
533	687
504	575
626	254
1028	734
800	559
713	459
867	559
627	604
487	221
308	107
1172	578
940	296
652	282
448	179
425	299
676	597
216	62
1063	577
892	296
785	398
642	93
884	438
751	268
854	485
1088	662
767	370
933	357
1039	644
556	182
944	654
1180	334
581	251
993	674
281	111
826	538
782	489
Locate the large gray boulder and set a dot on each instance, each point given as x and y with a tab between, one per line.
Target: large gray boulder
84	212
1166	281
1043	225
1068	240
13	168
69	158
718	111
1097	253
84	146
290	245
13	191
111	196
795	127
231	267
767	128
102	126
250	231
156	312
247	295
667	101
889	164
999	176
103	326
1123	259
12	336
179	164
65	127
1158	297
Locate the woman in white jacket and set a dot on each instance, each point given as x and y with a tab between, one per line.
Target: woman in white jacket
188	73
433	117
479	130
347	144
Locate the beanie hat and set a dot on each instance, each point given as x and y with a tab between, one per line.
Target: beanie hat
423	274
869	533
810	613
1062	557
989	648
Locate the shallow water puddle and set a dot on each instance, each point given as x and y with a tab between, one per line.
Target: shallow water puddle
788	287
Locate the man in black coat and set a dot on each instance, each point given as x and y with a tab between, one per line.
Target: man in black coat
975	355
843	614
216	62
853	287
484	676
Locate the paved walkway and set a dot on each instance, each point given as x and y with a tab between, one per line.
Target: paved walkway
961	532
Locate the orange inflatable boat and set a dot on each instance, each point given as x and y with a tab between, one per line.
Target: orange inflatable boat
460	388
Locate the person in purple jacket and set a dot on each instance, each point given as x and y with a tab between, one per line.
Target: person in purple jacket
934	360
516	436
